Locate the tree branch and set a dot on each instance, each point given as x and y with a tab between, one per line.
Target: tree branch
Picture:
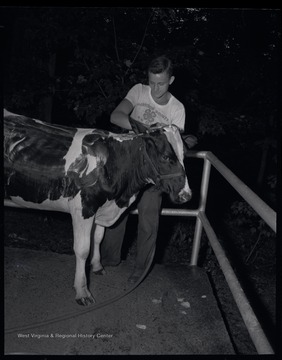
115	37
145	33
97	82
251	252
86	65
102	91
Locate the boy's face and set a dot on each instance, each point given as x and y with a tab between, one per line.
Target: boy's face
159	84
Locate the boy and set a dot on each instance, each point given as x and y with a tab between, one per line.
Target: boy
147	104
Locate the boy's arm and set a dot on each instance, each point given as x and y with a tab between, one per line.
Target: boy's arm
120	116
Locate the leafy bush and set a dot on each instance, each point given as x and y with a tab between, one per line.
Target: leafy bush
251	235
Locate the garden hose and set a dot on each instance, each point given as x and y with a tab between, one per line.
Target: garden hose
93	307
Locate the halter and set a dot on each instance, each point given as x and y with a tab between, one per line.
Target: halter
157	173
155	170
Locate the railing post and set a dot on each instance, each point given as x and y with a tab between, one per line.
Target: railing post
202	207
196	242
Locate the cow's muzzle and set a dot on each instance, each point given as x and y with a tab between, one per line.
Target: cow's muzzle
184	196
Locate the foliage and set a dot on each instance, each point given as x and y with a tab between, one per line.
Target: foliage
108	49
97	61
179	245
261	239
245	215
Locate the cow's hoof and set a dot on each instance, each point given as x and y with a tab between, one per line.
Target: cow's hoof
85	301
99	272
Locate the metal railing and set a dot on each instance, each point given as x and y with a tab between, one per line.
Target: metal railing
254	328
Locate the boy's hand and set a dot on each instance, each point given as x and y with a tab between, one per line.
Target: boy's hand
137	126
190	140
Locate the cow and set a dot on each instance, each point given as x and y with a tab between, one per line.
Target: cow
92	174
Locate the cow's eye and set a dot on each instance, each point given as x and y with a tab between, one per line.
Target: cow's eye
165	157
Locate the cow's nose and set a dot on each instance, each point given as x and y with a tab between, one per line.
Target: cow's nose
185	196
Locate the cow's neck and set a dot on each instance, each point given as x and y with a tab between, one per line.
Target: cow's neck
125	169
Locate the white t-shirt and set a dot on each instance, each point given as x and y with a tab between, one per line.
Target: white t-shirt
148	112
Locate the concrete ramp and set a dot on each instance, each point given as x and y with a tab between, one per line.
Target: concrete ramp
173	311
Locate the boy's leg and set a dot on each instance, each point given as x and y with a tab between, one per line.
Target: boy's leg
149	208
112	242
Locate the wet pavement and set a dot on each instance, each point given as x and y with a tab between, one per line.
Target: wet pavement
173	311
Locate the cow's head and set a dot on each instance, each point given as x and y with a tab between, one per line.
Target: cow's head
164	157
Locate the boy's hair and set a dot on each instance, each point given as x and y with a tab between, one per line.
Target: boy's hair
161	64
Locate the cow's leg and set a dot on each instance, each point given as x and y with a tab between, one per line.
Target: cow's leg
81	231
97	268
